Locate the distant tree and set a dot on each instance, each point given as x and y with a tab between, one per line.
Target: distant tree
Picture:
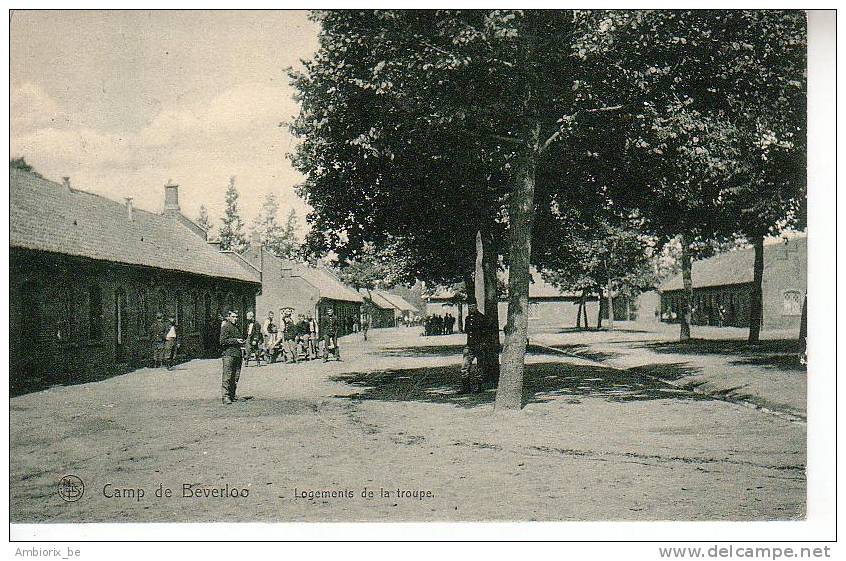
232	226
280	241
20	163
603	259
290	233
203	219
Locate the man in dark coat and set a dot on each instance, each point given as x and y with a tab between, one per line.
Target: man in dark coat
475	325
329	331
230	343
289	334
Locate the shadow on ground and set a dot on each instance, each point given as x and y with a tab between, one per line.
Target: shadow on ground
73	375
602	330
424	350
543	382
579	351
782	354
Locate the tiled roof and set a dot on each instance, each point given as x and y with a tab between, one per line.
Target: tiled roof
732	267
378	299
398	302
328	284
47	216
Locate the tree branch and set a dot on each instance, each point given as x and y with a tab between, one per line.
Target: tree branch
572	117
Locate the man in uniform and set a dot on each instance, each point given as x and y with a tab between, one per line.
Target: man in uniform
230	343
171	342
270	333
329	329
158	331
474	326
365	324
312	337
253	334
289	335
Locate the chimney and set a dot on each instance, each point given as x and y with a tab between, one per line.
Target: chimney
129	208
255	241
171	205
66	183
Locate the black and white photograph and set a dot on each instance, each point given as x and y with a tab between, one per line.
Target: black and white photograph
412	265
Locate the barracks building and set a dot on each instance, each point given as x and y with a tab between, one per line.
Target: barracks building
722	287
88	274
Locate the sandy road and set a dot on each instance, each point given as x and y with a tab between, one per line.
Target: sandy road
384	436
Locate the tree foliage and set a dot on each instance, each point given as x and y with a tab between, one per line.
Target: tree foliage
232	237
21	163
203	220
420	128
279	240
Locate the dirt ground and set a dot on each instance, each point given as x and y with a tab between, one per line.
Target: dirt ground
384	436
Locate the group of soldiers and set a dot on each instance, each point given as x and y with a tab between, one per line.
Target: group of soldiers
294	339
439	325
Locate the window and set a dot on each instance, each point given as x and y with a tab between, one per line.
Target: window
121	317
163	301
180	310
95	313
141	309
792	303
64	327
195	312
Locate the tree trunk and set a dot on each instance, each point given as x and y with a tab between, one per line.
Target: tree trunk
469	290
610	300
584	308
521	213
756	307
599	313
581	311
685	316
491	309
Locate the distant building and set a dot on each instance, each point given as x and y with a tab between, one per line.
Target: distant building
549	306
722	287
382	311
403	309
88	274
306	289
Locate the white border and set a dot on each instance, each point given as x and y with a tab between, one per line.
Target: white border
821	477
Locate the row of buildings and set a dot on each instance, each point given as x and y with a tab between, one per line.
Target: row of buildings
722	293
88	275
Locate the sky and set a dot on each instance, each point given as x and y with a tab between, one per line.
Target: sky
123	102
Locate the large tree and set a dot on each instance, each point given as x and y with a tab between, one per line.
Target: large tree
437	126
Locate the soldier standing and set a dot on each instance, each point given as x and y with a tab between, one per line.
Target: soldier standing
329	329
289	334
158	331
474	326
365	324
312	337
230	342
171	342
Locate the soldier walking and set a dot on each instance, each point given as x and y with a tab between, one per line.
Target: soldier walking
230	342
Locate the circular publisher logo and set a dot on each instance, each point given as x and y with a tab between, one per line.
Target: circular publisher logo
71	488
